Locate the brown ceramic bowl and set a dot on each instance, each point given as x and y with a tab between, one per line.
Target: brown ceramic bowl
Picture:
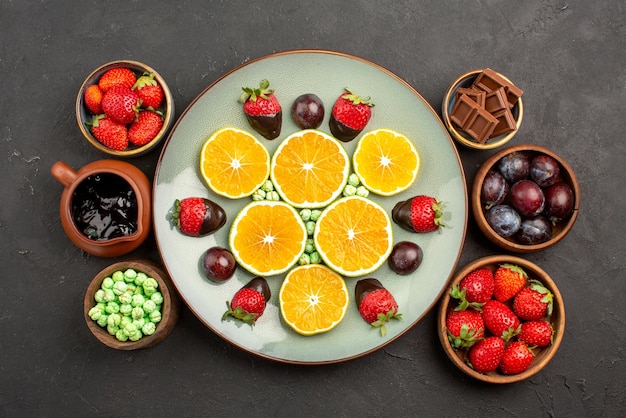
84	116
559	230
169	309
543	355
449	100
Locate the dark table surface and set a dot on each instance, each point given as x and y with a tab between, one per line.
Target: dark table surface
570	59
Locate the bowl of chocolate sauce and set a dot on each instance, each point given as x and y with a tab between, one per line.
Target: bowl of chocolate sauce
105	206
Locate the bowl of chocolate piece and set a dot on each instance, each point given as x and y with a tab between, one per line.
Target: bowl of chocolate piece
482	109
525	198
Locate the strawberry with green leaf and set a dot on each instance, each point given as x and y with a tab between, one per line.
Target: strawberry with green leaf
262	110
421	214
376	304
149	91
349	116
533	302
464	327
121	104
145	128
248	303
109	133
509	279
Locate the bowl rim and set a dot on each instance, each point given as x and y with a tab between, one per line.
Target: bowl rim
547	353
170	311
92	79
457	135
479	215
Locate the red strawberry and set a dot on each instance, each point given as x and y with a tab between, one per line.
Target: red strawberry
109	133
536	333
145	128
419	214
509	279
500	320
485	355
475	288
262	109
149	91
119	76
377	305
248	304
533	302
93	99
197	216
464	327
349	116
517	358
120	104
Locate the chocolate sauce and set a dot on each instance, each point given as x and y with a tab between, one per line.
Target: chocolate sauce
104	206
341	131
401	215
365	286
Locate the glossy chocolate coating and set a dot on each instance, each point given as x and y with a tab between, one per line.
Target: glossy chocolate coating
342	132
401	215
214	218
260	285
268	126
365	286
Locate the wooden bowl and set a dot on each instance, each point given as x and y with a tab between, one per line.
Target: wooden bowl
84	116
169	310
543	355
559	230
449	100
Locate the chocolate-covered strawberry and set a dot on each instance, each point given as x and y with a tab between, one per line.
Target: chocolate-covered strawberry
248	304
197	216
349	116
419	214
376	304
262	109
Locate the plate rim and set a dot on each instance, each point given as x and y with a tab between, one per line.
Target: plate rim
413	91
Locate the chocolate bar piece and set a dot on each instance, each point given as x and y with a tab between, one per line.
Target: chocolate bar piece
481	125
496	100
475	94
463	110
506	122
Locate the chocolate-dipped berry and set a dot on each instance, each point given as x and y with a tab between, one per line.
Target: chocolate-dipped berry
419	214
350	115
376	304
262	109
248	304
197	216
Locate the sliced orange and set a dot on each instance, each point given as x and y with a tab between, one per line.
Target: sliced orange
234	163
354	236
313	299
386	162
267	237
310	169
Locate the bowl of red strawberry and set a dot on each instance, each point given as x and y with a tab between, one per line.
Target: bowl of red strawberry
502	319
124	108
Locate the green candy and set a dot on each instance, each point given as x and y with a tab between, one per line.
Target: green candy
157	298
118	276
149	328
130	275
107	283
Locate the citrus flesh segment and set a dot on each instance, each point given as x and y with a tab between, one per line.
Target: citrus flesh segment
313	299
234	163
354	236
309	169
267	237
386	162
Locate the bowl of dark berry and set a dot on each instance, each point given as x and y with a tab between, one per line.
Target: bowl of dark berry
124	108
131	305
525	198
502	320
482	109
105	206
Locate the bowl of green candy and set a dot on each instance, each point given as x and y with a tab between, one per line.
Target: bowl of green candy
131	305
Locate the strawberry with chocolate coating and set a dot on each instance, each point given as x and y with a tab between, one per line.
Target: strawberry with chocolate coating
419	214
262	110
248	303
349	116
197	216
376	304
